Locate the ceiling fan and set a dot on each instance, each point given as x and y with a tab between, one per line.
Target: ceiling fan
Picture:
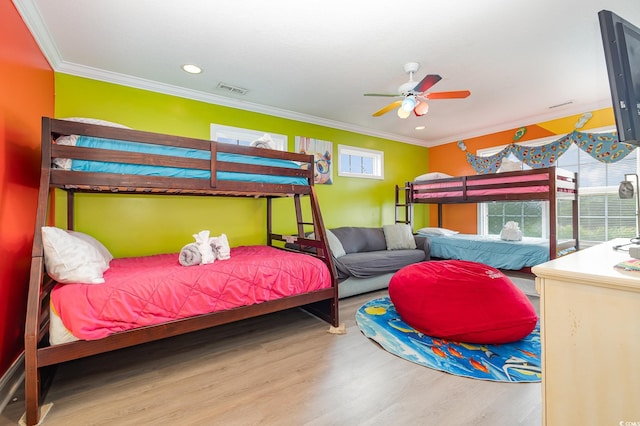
415	94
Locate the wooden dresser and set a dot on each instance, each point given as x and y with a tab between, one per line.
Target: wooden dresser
590	331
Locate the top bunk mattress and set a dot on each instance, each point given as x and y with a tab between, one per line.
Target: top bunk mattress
177	172
529	184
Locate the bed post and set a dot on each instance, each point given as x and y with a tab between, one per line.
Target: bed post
553	213
575	212
70	210
327	257
34	300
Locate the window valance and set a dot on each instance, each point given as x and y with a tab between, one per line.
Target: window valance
604	147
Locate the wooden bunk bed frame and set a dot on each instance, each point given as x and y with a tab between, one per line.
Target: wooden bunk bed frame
561	184
39	354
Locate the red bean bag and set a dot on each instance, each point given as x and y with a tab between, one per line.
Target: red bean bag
462	301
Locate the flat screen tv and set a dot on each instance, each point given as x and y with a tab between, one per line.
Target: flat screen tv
621	41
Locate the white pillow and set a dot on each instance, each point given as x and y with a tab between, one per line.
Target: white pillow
436	231
69	259
95	121
106	254
432	176
337	250
399	237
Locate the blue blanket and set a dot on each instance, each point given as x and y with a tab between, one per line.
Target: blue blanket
148	170
491	250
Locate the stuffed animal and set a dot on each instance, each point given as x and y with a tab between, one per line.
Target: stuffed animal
220	245
202	252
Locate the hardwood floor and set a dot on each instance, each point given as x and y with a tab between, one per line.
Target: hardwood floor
282	369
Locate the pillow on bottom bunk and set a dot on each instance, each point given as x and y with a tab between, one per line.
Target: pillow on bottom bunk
70	259
462	301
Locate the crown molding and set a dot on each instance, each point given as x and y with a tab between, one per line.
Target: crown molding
154	86
33	19
531	121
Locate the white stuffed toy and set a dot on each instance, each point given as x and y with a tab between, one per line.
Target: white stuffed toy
220	245
202	242
511	232
264	141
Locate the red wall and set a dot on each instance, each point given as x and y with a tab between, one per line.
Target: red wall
26	94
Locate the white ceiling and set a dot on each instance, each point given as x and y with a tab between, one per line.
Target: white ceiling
313	60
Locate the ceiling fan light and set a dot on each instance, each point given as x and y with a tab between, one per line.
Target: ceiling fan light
402	113
408	104
421	109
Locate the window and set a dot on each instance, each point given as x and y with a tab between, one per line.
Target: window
603	215
239	136
360	162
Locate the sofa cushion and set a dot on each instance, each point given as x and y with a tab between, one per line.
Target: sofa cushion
369	264
399	236
462	301
356	239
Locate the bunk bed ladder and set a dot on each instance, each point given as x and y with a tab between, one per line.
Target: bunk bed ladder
403	206
326	309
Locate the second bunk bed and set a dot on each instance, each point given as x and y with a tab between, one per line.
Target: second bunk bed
551	184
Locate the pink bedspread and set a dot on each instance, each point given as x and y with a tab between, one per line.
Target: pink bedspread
149	290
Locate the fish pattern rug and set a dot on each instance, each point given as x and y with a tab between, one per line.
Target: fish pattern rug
510	362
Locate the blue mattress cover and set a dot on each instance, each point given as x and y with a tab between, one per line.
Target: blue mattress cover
491	250
148	170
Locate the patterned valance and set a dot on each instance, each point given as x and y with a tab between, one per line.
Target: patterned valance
604	147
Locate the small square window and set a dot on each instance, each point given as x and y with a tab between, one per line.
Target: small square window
360	162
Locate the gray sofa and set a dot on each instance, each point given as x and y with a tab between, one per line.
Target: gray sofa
367	258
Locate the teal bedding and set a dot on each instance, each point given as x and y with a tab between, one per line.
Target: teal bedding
149	170
491	250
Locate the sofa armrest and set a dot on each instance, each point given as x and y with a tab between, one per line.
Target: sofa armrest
423	243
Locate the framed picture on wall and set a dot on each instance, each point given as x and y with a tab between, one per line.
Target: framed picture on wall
322	152
245	137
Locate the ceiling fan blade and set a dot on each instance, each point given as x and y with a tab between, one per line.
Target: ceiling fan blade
427	83
456	94
388	108
391	95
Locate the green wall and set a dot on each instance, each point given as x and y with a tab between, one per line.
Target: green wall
138	225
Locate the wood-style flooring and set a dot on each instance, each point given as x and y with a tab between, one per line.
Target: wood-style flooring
282	369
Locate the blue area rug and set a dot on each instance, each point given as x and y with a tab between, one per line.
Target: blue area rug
511	362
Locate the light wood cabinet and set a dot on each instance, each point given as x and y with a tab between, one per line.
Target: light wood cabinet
590	331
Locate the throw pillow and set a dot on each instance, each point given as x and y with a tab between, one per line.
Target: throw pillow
399	237
334	244
69	259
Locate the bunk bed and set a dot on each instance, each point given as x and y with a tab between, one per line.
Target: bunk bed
544	184
105	159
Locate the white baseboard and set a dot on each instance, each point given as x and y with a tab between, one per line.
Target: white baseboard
11	381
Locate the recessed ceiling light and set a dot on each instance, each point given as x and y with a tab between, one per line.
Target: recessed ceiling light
192	69
420	128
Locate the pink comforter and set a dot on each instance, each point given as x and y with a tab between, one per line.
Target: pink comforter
141	291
